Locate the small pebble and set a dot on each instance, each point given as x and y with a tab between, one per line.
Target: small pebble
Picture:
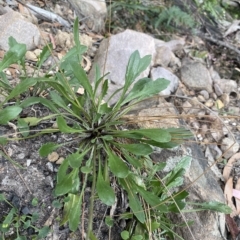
53	157
60	160
225	98
209	103
201	98
29	161
217	89
49	166
205	94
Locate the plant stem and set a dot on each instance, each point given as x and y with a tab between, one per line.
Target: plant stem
90	214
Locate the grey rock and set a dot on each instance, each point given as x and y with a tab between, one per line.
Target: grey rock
196	76
161	72
165	57
217	89
205	94
229	147
227	85
92	13
49	166
13	24
119	49
173	45
207	224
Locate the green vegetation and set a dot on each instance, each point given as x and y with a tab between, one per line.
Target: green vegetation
106	152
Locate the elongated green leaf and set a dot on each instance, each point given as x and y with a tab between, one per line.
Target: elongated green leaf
152	200
160	144
9	113
21	87
158	135
58	100
145	88
136	65
213	206
68	183
82	78
134	202
75	203
63	127
105	192
75	159
117	166
138	149
46	52
62	171
176	206
34	100
14	54
48	148
132	160
9	217
23	127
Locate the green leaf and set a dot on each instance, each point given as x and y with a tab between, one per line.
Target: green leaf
139	149
27	224
43	232
57	204
117	166
82	78
2	197
14	54
158	135
34	100
136	65
109	221
74	211
8	218
9	113
86	169
134	202
48	148
63	127
21	87
145	88
58	100
105	192
46	52
23	127
3	140
125	235
75	159
34	202
213	206
153	200
67	183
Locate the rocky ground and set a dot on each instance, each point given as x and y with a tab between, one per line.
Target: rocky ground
204	95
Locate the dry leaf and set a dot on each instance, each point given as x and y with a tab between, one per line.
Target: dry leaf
228	168
228	193
233	27
236	194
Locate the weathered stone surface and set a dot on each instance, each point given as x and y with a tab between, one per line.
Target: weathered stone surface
165	57
13	24
161	72
113	58
204	189
229	147
227	85
196	76
200	182
93	13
